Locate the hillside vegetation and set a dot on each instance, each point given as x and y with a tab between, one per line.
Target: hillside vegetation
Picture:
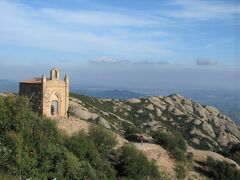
189	131
32	147
203	127
181	140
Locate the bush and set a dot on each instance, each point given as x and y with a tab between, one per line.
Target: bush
132	164
131	129
85	149
175	143
103	139
32	148
179	154
221	170
234	153
181	173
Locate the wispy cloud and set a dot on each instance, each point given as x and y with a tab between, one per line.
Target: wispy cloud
107	31
98	18
111	60
205	62
203	10
45	28
108	60
218	43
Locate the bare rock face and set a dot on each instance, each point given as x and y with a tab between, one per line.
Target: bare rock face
197	122
177	112
104	123
188	108
157	101
206	121
208	129
158	112
199	110
201	124
134	100
169	101
3	94
81	112
150	107
201	156
212	110
196	141
153	125
181	108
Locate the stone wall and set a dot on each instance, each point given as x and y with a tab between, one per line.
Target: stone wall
34	93
53	89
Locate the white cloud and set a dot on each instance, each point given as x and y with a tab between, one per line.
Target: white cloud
107	60
205	62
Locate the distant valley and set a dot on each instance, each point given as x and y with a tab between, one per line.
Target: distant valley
7	85
228	101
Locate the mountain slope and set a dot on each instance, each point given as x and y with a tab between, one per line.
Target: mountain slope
130	120
203	127
32	147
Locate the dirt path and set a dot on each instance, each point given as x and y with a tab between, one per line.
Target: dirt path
72	125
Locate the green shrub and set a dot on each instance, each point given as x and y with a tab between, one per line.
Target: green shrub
221	170
233	152
103	139
181	173
132	164
130	129
175	143
179	154
32	148
84	148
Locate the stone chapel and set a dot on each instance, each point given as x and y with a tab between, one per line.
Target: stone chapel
48	97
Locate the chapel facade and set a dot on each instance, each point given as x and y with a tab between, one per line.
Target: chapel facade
48	97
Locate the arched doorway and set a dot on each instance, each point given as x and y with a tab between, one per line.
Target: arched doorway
54	108
55	104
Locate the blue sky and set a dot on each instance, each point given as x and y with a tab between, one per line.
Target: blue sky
115	42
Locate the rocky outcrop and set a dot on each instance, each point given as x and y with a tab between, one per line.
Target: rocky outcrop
201	156
206	121
104	123
80	111
134	100
204	127
201	124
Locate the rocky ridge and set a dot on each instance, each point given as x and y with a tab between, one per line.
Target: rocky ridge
203	126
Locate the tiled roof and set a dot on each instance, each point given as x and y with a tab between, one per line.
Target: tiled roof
33	81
